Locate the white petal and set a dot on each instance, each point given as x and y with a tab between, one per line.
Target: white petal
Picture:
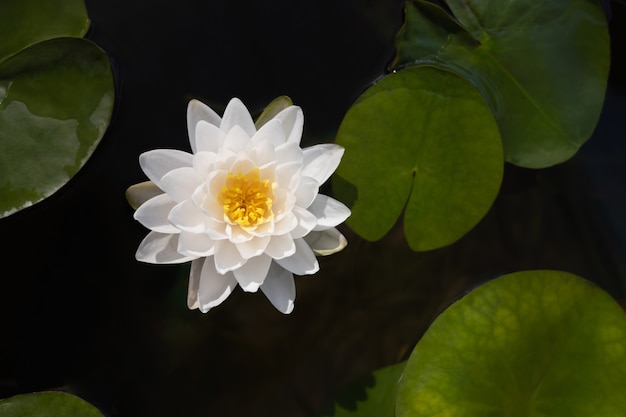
253	247
280	288
186	216
197	111
292	119
242	165
271	132
267	171
195	244
252	274
236	114
289	152
194	283
303	262
155	164
237	139
264	153
264	229
326	242
329	212
280	246
236	234
214	287
306	192
138	194
284	201
288	175
181	183
306	222
225	159
160	248
153	214
286	224
209	138
203	162
227	257
215	229
208	200
320	161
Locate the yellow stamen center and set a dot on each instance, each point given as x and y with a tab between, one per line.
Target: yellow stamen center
247	201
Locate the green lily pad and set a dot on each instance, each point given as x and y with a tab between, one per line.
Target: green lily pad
533	343
47	404
543	66
56	100
372	395
26	22
425	141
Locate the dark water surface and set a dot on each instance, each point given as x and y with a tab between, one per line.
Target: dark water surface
79	313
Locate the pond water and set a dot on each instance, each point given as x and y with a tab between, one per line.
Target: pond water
79	312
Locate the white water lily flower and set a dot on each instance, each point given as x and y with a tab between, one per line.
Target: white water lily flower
244	207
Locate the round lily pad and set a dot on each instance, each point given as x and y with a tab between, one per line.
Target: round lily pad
371	395
56	100
533	343
26	22
47	404
542	65
424	141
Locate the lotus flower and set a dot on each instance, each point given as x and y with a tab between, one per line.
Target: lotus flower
244	207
